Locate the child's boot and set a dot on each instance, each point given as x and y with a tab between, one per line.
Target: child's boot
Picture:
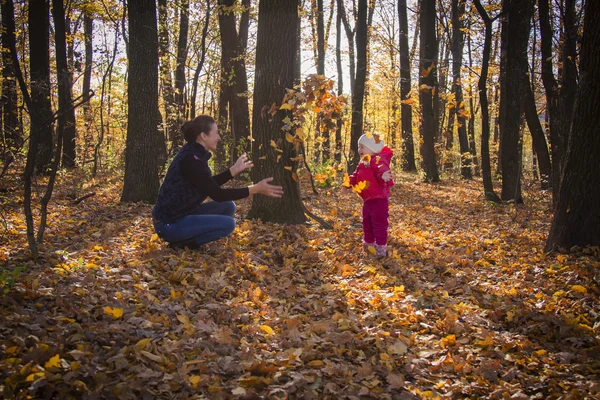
381	250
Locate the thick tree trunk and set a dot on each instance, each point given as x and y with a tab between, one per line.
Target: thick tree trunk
144	142
358	94
408	147
458	11
39	63
276	34
66	116
426	88
577	218
518	15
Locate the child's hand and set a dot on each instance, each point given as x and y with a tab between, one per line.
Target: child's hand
387	176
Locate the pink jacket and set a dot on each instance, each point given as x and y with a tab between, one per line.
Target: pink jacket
376	188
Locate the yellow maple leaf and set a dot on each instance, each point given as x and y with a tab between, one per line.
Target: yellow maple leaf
115	312
53	362
34	376
346	180
409	101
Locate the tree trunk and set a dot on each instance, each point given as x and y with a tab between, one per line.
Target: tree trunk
170	126
350	36
144	141
458	11
486	171
358	94
39	63
340	84
276	34
559	111
471	123
12	134
537	134
192	114
182	52
518	15
88	34
577	218
427	86
408	147
66	111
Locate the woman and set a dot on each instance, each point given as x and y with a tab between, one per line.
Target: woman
180	215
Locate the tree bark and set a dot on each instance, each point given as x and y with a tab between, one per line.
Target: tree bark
202	57
518	15
39	65
276	34
350	34
458	11
427	65
577	218
12	134
537	134
358	94
144	142
88	34
170	126
408	147
340	84
66	111
182	53
486	171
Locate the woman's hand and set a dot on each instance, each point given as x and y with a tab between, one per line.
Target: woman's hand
263	187
241	165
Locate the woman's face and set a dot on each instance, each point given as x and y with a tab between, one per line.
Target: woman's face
210	140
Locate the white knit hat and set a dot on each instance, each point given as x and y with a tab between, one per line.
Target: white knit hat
374	143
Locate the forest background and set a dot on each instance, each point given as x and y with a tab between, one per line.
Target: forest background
474	97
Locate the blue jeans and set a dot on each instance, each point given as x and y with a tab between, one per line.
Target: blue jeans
213	221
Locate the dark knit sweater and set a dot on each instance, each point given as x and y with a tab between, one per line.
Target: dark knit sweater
189	182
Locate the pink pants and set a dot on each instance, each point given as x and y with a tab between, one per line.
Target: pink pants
375	221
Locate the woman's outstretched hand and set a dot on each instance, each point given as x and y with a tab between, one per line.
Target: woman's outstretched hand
241	165
263	187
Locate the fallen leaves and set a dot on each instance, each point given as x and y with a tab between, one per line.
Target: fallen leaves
466	306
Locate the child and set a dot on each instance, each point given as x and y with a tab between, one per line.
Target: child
374	170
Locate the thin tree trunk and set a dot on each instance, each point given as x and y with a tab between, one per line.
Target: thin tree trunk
200	62
182	52
408	148
458	11
358	93
340	84
486	171
350	33
88	34
170	125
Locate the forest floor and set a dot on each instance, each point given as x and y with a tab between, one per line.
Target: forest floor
467	305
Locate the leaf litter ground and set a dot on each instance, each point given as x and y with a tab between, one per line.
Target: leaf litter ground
467	305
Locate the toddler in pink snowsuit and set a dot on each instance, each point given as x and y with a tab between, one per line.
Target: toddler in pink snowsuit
374	169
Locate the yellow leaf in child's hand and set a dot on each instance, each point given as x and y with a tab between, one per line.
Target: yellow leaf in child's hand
54	362
115	312
346	180
360	186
